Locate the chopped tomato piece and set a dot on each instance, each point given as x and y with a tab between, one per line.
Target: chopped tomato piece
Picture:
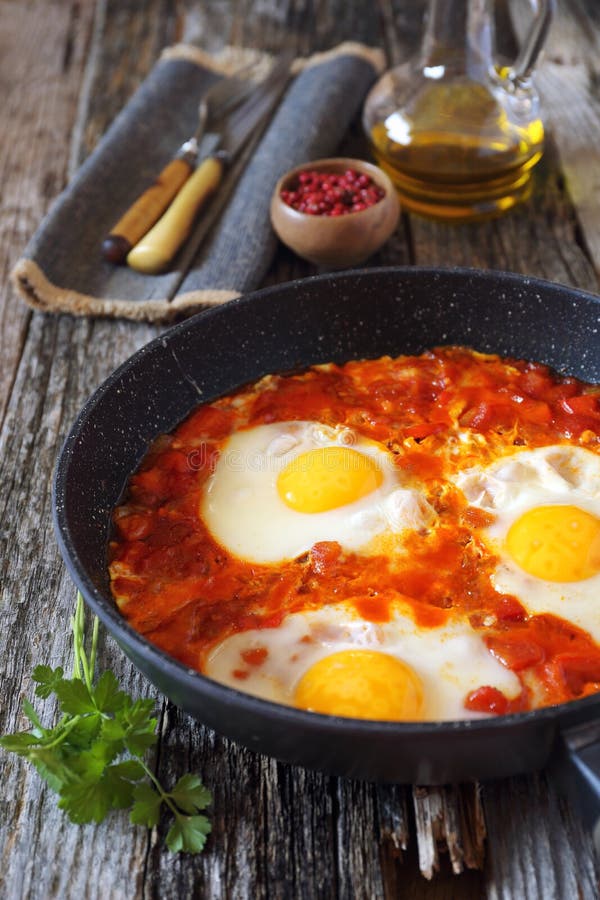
510	609
592	687
208	421
323	555
577	671
536	411
424	430
373	609
255	656
515	653
487	699
173	461
477	518
151	480
479	417
535	383
135	527
557	392
273	621
582	405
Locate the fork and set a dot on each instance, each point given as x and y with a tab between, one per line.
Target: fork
218	101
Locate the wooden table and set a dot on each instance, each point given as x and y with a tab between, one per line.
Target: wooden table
66	68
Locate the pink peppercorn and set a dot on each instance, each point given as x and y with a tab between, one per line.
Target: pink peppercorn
332	194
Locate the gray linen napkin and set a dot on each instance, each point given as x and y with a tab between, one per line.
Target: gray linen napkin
61	269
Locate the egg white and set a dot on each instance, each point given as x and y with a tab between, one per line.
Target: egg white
451	660
561	475
245	514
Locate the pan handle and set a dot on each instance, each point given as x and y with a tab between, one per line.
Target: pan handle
575	765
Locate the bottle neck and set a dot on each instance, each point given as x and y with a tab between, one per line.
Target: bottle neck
459	38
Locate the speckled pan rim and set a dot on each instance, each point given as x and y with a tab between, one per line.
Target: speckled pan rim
187	678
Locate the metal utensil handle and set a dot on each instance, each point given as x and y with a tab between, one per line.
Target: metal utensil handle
575	765
533	43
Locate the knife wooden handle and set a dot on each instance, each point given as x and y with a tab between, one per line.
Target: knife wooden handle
142	215
156	250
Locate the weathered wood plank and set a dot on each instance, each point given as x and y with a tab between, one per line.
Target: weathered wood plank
274	825
62	360
568	82
42	55
111	74
543	237
128	41
278	831
539	848
536	239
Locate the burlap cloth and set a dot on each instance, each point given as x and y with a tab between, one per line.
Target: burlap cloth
62	270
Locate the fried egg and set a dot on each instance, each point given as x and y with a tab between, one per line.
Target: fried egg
546	529
278	489
331	661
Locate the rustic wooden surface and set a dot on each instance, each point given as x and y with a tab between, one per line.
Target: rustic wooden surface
66	68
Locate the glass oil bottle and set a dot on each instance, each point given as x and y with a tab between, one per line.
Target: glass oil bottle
459	135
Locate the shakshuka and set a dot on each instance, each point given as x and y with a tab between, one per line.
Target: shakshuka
404	539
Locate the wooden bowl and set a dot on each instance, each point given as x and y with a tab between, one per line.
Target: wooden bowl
336	241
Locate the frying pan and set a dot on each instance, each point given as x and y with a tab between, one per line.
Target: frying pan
337	317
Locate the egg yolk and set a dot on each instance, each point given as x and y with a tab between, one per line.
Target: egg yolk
361	684
326	478
556	543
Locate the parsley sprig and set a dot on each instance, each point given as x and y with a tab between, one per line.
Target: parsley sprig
93	758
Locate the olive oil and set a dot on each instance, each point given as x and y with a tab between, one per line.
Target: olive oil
458	135
458	156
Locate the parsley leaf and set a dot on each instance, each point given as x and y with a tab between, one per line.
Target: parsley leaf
120	780
19	743
74	696
38	729
51	769
46	678
107	695
112	731
93	758
187	834
190	795
85	731
85	801
140	733
90	764
146	806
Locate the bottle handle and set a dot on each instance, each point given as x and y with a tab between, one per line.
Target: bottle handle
523	65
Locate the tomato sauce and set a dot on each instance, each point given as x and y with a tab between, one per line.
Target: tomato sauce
185	592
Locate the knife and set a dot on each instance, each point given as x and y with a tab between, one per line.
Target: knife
159	246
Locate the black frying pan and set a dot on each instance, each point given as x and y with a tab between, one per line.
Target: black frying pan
332	317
